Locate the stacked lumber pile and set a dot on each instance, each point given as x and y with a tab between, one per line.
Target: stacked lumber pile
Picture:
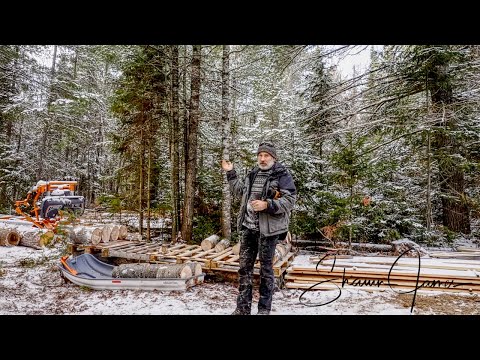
462	252
381	273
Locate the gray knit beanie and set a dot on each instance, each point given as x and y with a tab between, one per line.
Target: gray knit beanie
268	148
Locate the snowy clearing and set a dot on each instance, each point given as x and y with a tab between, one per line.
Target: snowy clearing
30	283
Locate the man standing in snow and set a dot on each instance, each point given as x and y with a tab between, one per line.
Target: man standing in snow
268	195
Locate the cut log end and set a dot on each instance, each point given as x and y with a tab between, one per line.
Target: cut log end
210	242
195	267
222	245
9	237
236	249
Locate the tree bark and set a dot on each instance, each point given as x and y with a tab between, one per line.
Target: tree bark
175	175
47	122
149	169
456	213
140	201
85	235
191	173
181	271
226	196
146	270
37	238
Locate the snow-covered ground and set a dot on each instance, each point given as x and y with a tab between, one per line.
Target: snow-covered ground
30	283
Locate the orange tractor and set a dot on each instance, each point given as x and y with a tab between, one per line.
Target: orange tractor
46	199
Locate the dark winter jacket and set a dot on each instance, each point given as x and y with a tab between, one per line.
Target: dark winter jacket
275	218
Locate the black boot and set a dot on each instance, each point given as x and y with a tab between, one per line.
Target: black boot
263	312
240	312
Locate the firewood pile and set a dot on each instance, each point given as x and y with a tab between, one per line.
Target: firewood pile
23	233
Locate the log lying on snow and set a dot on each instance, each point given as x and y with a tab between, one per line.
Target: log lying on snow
210	242
36	238
28	235
222	245
402	245
9	237
159	271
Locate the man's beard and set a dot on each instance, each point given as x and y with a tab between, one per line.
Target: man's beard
267	166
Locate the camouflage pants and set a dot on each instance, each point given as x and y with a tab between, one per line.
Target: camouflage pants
251	243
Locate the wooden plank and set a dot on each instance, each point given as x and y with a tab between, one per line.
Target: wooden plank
281	265
412	272
383	277
203	253
373	282
396	286
192	252
323	287
221	255
145	248
179	250
113	244
375	265
175	247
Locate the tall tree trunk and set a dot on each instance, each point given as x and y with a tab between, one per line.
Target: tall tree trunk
456	214
185	117
75	62
41	173
140	185
148	181
175	175
191	173
429	199
226	197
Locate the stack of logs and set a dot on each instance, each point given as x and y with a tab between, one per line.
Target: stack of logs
21	232
81	234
